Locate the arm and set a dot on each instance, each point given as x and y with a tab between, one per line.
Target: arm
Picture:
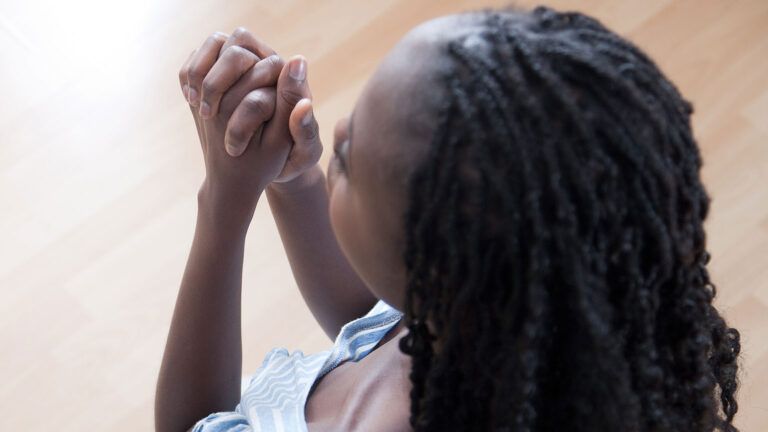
201	368
332	289
299	201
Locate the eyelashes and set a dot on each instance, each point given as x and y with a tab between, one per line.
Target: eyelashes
340	162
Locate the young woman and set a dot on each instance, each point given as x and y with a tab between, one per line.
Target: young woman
515	201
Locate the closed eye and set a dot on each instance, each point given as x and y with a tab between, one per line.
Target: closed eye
340	158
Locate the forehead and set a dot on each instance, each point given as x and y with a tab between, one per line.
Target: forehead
395	115
409	72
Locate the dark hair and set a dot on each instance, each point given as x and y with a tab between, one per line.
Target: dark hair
555	245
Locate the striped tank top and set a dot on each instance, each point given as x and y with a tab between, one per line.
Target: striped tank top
273	398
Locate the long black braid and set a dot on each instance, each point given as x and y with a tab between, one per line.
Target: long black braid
555	244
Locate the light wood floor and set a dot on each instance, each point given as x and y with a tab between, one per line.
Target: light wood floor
99	166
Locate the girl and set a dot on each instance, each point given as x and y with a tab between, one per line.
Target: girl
516	202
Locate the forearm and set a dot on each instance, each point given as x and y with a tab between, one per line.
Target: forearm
201	369
332	289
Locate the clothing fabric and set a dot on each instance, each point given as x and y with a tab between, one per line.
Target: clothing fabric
275	396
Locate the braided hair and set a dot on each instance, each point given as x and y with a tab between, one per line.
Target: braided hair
555	246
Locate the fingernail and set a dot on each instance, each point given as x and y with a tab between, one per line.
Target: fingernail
193	96
298	69
307	119
205	110
185	91
232	150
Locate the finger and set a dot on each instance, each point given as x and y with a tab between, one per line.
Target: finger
228	69
307	147
242	37
263	74
204	59
256	108
183	74
200	131
291	88
185	89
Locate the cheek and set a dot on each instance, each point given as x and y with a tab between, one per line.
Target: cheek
330	177
348	227
369	249
338	207
342	217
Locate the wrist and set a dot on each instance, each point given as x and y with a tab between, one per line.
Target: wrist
306	179
229	216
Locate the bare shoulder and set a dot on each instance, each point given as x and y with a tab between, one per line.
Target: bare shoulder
388	411
383	397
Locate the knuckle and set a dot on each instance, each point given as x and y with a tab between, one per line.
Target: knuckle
238	55
235	51
240	32
291	96
256	106
217	36
209	87
274	63
194	75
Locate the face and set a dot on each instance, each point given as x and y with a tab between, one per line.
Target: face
376	149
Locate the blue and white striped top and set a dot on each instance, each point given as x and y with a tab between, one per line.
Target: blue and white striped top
274	398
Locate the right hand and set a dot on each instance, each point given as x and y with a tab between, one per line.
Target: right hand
293	126
294	122
229	84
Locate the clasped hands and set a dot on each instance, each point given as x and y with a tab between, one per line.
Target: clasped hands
254	118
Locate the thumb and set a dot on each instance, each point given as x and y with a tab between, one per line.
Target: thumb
307	147
291	88
302	124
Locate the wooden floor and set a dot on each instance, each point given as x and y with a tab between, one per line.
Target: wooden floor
99	166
